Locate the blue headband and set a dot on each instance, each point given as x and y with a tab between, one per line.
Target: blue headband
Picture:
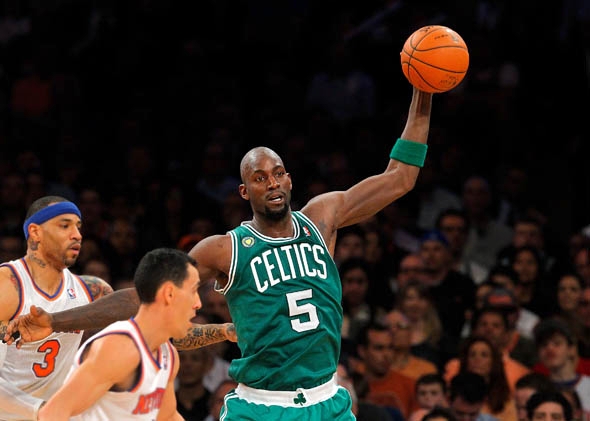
50	212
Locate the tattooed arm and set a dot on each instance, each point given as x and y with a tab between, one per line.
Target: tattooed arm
202	335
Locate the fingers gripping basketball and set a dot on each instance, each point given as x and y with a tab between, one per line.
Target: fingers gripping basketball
435	59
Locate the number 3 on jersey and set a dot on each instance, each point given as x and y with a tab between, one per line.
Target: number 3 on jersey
51	349
296	309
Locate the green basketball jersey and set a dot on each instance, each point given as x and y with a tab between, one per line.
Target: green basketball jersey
285	300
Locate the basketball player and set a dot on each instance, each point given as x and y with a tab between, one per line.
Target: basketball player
280	281
30	376
127	370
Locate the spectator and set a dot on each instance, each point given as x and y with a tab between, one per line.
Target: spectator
192	396
468	393
548	405
533	289
403	360
357	313
525	387
431	393
520	348
528	231
582	264
428	339
350	242
506	277
446	284
557	349
481	356
363	410
486	236
491	323
453	223
387	387
410	268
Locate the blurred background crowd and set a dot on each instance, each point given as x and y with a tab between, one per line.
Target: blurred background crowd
139	111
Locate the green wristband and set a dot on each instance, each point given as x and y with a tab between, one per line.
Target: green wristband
408	152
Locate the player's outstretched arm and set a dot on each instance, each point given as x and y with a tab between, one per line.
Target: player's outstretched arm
334	210
199	336
120	305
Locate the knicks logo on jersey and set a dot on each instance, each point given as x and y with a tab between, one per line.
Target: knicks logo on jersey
149	402
289	262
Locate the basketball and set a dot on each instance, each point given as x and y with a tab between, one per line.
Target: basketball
435	59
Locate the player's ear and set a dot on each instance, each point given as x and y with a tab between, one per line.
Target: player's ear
244	192
167	292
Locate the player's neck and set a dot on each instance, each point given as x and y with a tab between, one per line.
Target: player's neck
153	328
271	228
44	275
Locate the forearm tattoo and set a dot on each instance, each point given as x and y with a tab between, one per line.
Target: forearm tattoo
202	335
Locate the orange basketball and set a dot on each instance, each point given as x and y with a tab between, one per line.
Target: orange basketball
435	59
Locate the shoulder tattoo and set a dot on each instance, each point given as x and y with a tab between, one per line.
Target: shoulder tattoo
97	286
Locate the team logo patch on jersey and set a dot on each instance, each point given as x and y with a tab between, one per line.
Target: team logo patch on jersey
248	241
306	231
71	293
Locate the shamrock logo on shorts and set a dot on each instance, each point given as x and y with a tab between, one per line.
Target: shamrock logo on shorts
300	399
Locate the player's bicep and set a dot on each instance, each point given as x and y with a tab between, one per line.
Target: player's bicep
9	297
213	255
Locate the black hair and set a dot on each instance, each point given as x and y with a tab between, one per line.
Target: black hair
470	386
539	398
158	266
432	378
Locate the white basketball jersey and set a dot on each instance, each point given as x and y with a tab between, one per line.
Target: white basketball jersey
143	400
39	368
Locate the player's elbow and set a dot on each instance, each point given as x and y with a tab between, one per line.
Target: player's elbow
407	181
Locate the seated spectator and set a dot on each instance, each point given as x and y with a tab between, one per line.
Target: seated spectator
557	348
548	406
403	360
387	387
431	392
525	387
468	393
428	340
363	410
479	355
191	394
357	313
520	347
491	324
